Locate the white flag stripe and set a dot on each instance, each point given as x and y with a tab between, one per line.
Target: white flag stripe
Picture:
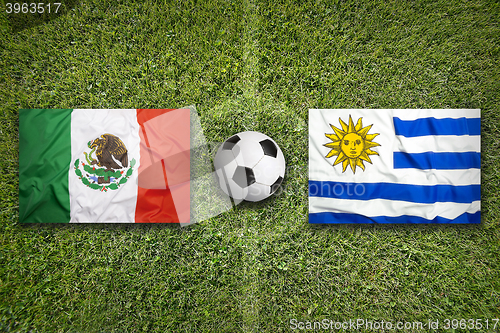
382	207
439	143
413	114
89	205
401	176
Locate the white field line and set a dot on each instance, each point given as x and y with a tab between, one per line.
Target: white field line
249	301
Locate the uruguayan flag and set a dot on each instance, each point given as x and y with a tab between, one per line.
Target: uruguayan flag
394	166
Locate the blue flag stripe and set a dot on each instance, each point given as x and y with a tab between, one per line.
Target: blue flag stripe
391	191
433	126
330	217
441	161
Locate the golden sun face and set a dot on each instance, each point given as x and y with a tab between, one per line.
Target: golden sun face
351	144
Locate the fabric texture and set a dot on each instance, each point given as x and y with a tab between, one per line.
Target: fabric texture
104	165
394	166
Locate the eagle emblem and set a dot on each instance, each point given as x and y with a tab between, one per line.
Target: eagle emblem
108	171
110	152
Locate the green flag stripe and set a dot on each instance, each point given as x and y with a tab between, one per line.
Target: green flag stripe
44	161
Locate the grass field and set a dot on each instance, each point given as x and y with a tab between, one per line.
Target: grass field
249	65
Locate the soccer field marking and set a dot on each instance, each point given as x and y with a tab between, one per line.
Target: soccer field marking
249	302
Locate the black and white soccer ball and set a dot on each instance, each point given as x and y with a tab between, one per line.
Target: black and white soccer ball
250	166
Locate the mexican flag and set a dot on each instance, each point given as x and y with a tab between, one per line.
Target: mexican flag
106	165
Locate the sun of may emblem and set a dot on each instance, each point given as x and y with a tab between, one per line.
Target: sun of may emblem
108	171
351	144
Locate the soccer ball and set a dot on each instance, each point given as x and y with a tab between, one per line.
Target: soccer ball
249	166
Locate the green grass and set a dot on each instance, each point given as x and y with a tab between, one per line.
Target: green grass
249	65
